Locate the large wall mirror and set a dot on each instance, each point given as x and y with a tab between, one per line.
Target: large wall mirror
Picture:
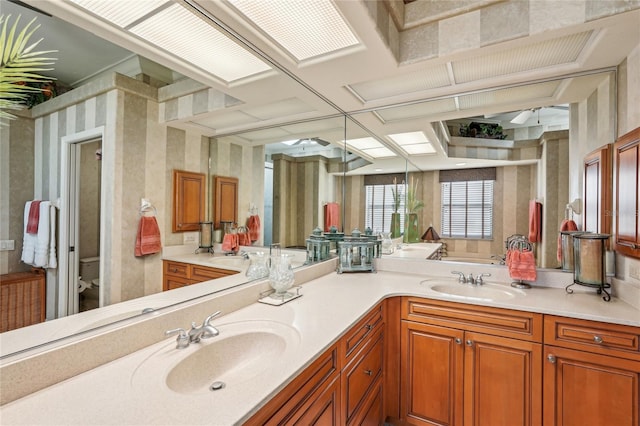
292	148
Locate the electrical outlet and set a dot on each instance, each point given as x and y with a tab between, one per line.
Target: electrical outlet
634	272
190	237
7	245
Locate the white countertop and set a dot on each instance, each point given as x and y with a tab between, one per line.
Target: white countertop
330	306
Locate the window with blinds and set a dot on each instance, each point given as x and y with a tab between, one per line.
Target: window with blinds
379	206
467	209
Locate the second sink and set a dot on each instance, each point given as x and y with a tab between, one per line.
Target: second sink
486	292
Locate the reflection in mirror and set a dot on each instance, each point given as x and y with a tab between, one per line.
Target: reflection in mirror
518	148
150	120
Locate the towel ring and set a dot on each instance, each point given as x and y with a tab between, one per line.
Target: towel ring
148	208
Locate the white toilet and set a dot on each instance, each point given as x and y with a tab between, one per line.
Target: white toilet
90	273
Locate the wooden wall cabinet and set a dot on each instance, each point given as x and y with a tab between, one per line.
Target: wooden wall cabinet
225	204
469	365
598	185
179	274
627	193
188	200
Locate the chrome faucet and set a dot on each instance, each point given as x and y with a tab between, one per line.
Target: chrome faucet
479	280
461	278
204	331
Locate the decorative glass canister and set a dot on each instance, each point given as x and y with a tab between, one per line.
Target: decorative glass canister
387	243
590	254
206	237
281	276
566	244
257	265
318	246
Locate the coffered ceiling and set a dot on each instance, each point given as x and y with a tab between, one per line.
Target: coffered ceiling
397	67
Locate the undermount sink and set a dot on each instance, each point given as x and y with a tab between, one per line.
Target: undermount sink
485	292
242	352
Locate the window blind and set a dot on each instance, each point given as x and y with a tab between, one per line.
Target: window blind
379	206
467	209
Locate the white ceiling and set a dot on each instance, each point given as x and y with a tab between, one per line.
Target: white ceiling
408	96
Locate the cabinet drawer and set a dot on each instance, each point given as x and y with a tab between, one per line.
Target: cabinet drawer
298	395
362	374
503	322
175	282
203	273
359	333
176	269
593	336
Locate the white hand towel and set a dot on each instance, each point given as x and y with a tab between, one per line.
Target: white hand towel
53	260
42	239
28	240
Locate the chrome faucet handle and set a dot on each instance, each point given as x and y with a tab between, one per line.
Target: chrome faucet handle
479	280
461	277
208	330
182	341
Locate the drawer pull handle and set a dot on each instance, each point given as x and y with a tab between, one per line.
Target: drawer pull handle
597	339
175	269
551	358
469	343
368	326
458	341
368	372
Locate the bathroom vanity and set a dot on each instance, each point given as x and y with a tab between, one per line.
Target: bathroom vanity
358	347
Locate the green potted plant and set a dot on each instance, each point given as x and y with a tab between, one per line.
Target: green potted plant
395	216
413	205
20	66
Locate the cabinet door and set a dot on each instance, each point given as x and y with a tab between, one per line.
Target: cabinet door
582	388
627	199
503	381
188	200
323	411
597	191
431	374
225	205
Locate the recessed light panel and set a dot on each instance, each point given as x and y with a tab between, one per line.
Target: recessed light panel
177	30
120	12
305	28
409	138
371	147
171	27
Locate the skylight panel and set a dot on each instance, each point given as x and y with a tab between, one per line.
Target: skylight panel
120	12
305	28
177	30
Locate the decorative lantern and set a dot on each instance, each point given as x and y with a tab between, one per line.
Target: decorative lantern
318	246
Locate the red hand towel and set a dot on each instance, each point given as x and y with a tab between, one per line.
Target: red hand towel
331	216
230	242
522	266
566	225
535	221
254	227
148	238
34	217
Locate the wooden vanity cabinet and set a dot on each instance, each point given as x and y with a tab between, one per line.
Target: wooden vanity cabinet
344	386
180	274
188	200
469	365
591	373
627	193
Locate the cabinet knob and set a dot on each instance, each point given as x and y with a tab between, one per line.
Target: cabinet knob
368	372
469	342
175	269
458	341
551	358
368	326
597	339
179	225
